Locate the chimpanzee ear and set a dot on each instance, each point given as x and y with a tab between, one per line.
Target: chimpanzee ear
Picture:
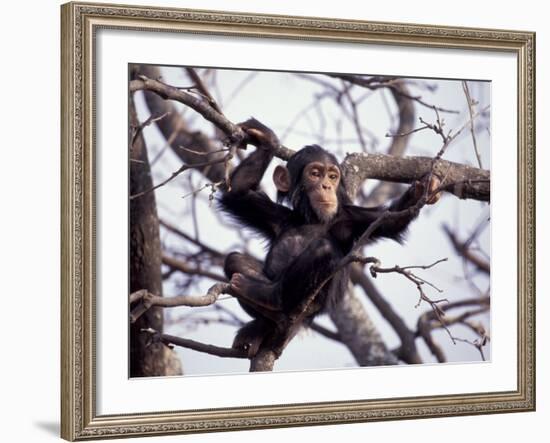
281	178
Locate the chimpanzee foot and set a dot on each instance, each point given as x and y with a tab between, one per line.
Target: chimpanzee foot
238	284
249	344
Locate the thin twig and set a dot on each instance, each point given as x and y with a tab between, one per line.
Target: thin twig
426	323
201	153
379	82
412	131
203	89
186	269
325	332
466	253
418	281
471	104
151	119
182	169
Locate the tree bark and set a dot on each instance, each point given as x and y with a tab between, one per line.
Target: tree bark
464	181
146	359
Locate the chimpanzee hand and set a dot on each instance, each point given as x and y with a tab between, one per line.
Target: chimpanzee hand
260	135
432	184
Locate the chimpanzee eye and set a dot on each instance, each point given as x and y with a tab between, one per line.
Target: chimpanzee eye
333	177
315	173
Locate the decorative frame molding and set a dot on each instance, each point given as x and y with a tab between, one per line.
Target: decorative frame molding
79	22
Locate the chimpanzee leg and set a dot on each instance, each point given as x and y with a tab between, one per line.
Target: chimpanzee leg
300	279
250	283
236	262
246	268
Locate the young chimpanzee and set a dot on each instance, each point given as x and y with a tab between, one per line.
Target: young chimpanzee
306	241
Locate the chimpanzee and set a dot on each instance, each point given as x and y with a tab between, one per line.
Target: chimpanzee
307	239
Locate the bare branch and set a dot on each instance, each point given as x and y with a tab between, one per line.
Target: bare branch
182	169
204	108
407	351
355	119
461	180
430	320
203	154
406	117
231	130
418	281
195	345
177	131
201	87
471	104
386	82
325	332
217	254
459	130
181	266
151	119
147	300
463	249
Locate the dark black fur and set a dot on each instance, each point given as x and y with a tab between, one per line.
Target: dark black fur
302	250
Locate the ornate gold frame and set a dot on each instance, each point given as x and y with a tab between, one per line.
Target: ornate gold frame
79	420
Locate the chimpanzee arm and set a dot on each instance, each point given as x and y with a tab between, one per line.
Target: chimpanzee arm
242	199
248	175
254	209
356	219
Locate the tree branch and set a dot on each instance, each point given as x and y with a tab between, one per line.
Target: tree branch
361	336
391	83
147	300
471	104
386	190
461	180
325	332
231	130
214	253
407	351
463	250
430	320
195	345
182	169
181	266
202	107
201	87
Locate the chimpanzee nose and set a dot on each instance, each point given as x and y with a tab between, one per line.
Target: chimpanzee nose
326	186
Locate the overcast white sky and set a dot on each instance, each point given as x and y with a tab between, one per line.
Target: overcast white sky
281	100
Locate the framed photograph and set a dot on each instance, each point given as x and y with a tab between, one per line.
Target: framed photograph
282	221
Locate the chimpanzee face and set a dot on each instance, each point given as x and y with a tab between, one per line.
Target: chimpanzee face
312	182
320	181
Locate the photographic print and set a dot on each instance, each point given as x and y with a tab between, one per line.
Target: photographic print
273	221
299	221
